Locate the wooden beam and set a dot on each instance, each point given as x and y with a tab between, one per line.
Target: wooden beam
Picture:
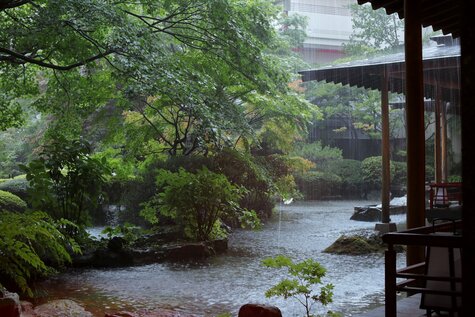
415	124
385	153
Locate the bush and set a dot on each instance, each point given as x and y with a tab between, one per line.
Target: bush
251	173
28	242
319	154
65	181
372	171
11	202
16	186
400	174
351	176
318	185
195	201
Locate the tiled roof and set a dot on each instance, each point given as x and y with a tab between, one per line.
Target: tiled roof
440	63
443	15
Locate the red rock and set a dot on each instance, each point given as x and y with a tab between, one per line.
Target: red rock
259	310
9	304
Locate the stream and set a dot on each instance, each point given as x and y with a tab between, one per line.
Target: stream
224	283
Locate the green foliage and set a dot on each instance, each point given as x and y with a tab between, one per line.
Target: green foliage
129	232
27	243
65	180
351	175
372	171
16	186
292	28
319	154
11	202
454	179
373	30
195	201
303	277
244	170
318	185
400	173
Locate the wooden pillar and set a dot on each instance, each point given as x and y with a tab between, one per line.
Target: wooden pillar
468	155
385	153
437	138
443	142
415	124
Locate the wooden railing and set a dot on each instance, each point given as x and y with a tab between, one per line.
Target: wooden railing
415	278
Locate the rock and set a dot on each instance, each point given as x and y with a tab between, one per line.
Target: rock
116	244
220	245
188	251
259	310
122	314
355	245
366	213
9	304
151	313
61	308
27	309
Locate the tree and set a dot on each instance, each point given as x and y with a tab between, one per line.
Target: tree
65	181
304	276
195	201
373	30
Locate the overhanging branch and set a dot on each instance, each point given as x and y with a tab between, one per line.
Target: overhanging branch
18	58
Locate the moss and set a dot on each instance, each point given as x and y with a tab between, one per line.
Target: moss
356	245
11	202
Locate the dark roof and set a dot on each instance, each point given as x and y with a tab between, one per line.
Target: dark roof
443	15
441	69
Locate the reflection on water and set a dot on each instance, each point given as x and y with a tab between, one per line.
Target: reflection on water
224	283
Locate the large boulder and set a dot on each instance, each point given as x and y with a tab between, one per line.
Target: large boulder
61	308
366	213
9	304
259	310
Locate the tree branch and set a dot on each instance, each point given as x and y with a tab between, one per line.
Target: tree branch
13	4
18	58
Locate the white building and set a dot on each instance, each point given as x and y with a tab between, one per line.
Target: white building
329	27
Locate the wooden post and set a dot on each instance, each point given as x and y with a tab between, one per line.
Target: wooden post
437	137
390	282
415	133
385	153
443	142
468	155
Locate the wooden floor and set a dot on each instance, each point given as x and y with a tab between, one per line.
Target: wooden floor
406	307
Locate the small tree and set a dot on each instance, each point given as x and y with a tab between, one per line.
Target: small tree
65	180
195	201
304	275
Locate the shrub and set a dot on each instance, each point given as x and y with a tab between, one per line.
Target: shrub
11	202
351	176
304	276
318	185
16	186
317	153
400	174
65	180
28	242
244	170
372	171
195	201
430	173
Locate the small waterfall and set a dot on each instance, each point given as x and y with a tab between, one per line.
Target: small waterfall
112	214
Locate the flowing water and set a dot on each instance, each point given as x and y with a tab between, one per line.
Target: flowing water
223	283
